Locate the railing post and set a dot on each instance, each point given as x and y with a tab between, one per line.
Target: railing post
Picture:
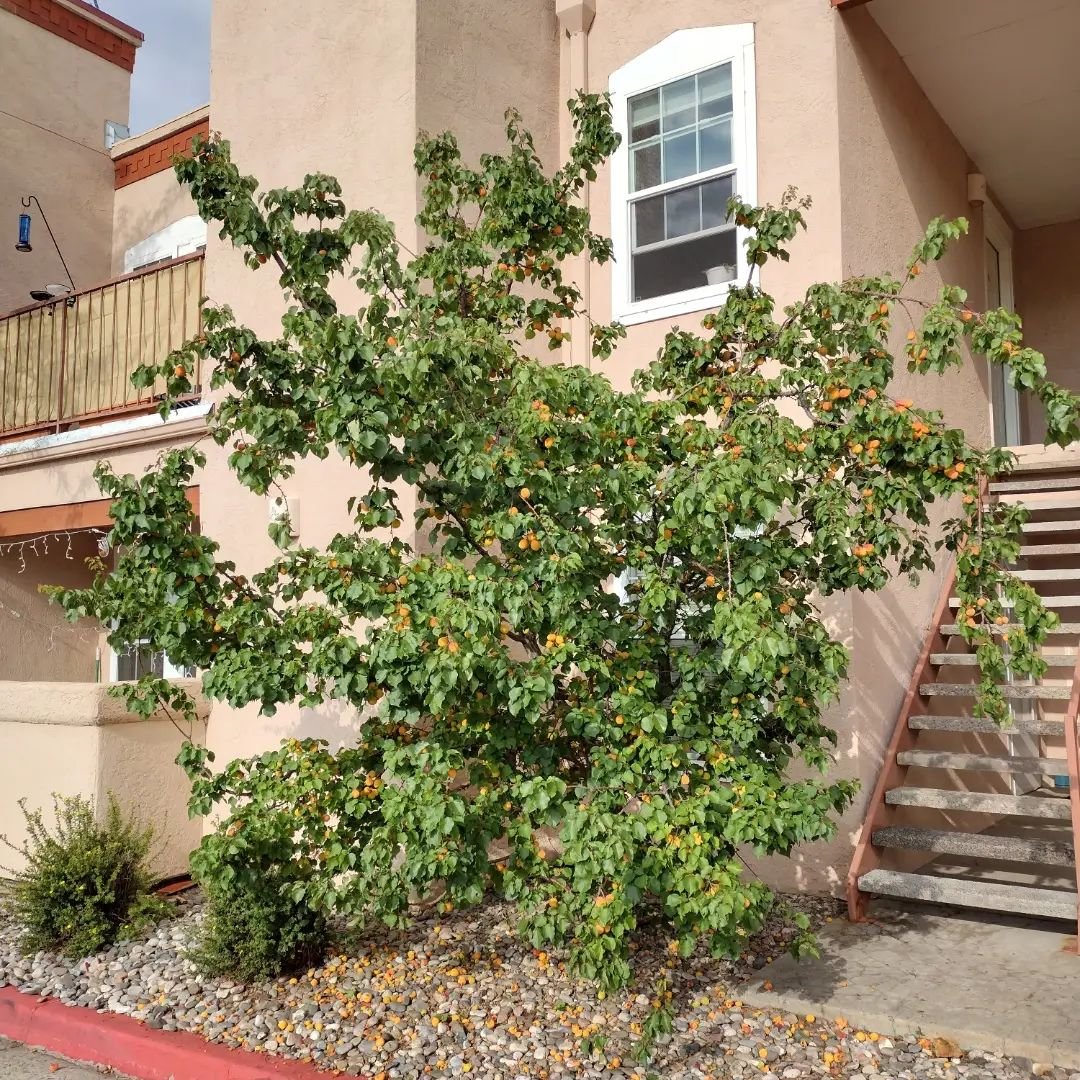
63	364
1072	754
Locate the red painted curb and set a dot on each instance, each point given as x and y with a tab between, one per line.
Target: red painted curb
127	1046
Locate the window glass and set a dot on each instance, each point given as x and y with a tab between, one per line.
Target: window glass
680	104
646	161
137	661
645	116
714	92
705	260
714	145
681	238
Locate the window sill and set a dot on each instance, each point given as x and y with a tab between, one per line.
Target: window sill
666	308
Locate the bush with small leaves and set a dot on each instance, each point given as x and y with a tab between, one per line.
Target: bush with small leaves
254	928
85	883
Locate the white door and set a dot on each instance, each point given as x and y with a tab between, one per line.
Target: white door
998	261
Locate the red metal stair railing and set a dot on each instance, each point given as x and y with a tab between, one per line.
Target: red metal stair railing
878	812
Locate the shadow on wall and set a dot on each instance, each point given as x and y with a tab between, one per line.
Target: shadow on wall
242	733
900	167
39	644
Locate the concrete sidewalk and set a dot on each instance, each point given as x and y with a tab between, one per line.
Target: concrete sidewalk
1007	985
20	1063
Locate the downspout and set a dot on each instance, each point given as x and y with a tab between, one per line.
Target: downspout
575	19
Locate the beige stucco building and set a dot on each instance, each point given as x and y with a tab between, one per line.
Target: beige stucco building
886	112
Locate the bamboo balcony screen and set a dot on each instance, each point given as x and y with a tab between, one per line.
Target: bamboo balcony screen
68	361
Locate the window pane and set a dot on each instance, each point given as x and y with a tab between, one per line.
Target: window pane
714	92
683	212
715	142
680	156
645	116
714	199
137	661
680	103
684	266
649	221
646	166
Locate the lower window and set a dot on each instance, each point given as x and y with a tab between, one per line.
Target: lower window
140	659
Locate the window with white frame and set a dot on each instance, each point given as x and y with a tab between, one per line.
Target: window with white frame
685	110
141	659
182	237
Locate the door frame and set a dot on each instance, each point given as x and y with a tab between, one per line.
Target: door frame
996	231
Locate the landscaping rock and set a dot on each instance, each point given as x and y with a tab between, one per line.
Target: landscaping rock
463	996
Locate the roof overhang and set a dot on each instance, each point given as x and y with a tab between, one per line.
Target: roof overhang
1003	75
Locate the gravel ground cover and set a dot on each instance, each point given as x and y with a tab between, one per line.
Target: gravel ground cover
461	996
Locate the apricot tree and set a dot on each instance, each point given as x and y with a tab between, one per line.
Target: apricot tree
586	667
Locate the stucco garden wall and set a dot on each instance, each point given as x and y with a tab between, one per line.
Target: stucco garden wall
75	739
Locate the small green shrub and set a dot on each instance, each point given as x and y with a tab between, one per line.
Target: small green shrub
85	883
257	924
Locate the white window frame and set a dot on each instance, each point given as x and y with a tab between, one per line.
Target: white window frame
686	52
169	670
180	238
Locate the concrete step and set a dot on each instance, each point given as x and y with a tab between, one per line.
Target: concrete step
1056	483
1068	573
986	895
984	725
1030	551
980	802
949	659
1067	500
1067	600
944	759
954	629
1016	691
1051	526
975	845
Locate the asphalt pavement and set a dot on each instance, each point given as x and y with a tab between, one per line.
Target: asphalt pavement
17	1062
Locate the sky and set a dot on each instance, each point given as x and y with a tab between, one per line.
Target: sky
172	68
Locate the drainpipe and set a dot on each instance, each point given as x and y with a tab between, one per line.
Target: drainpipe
575	18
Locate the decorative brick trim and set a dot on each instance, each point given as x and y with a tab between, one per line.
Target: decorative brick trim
82	25
157	156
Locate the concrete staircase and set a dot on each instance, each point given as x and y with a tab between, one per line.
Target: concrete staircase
968	813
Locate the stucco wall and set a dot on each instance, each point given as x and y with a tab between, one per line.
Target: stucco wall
1046	265
796	91
475	59
900	166
63	473
796	127
146	207
37	642
350	112
56	98
73	739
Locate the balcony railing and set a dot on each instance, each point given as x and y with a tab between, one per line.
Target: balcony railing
69	361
